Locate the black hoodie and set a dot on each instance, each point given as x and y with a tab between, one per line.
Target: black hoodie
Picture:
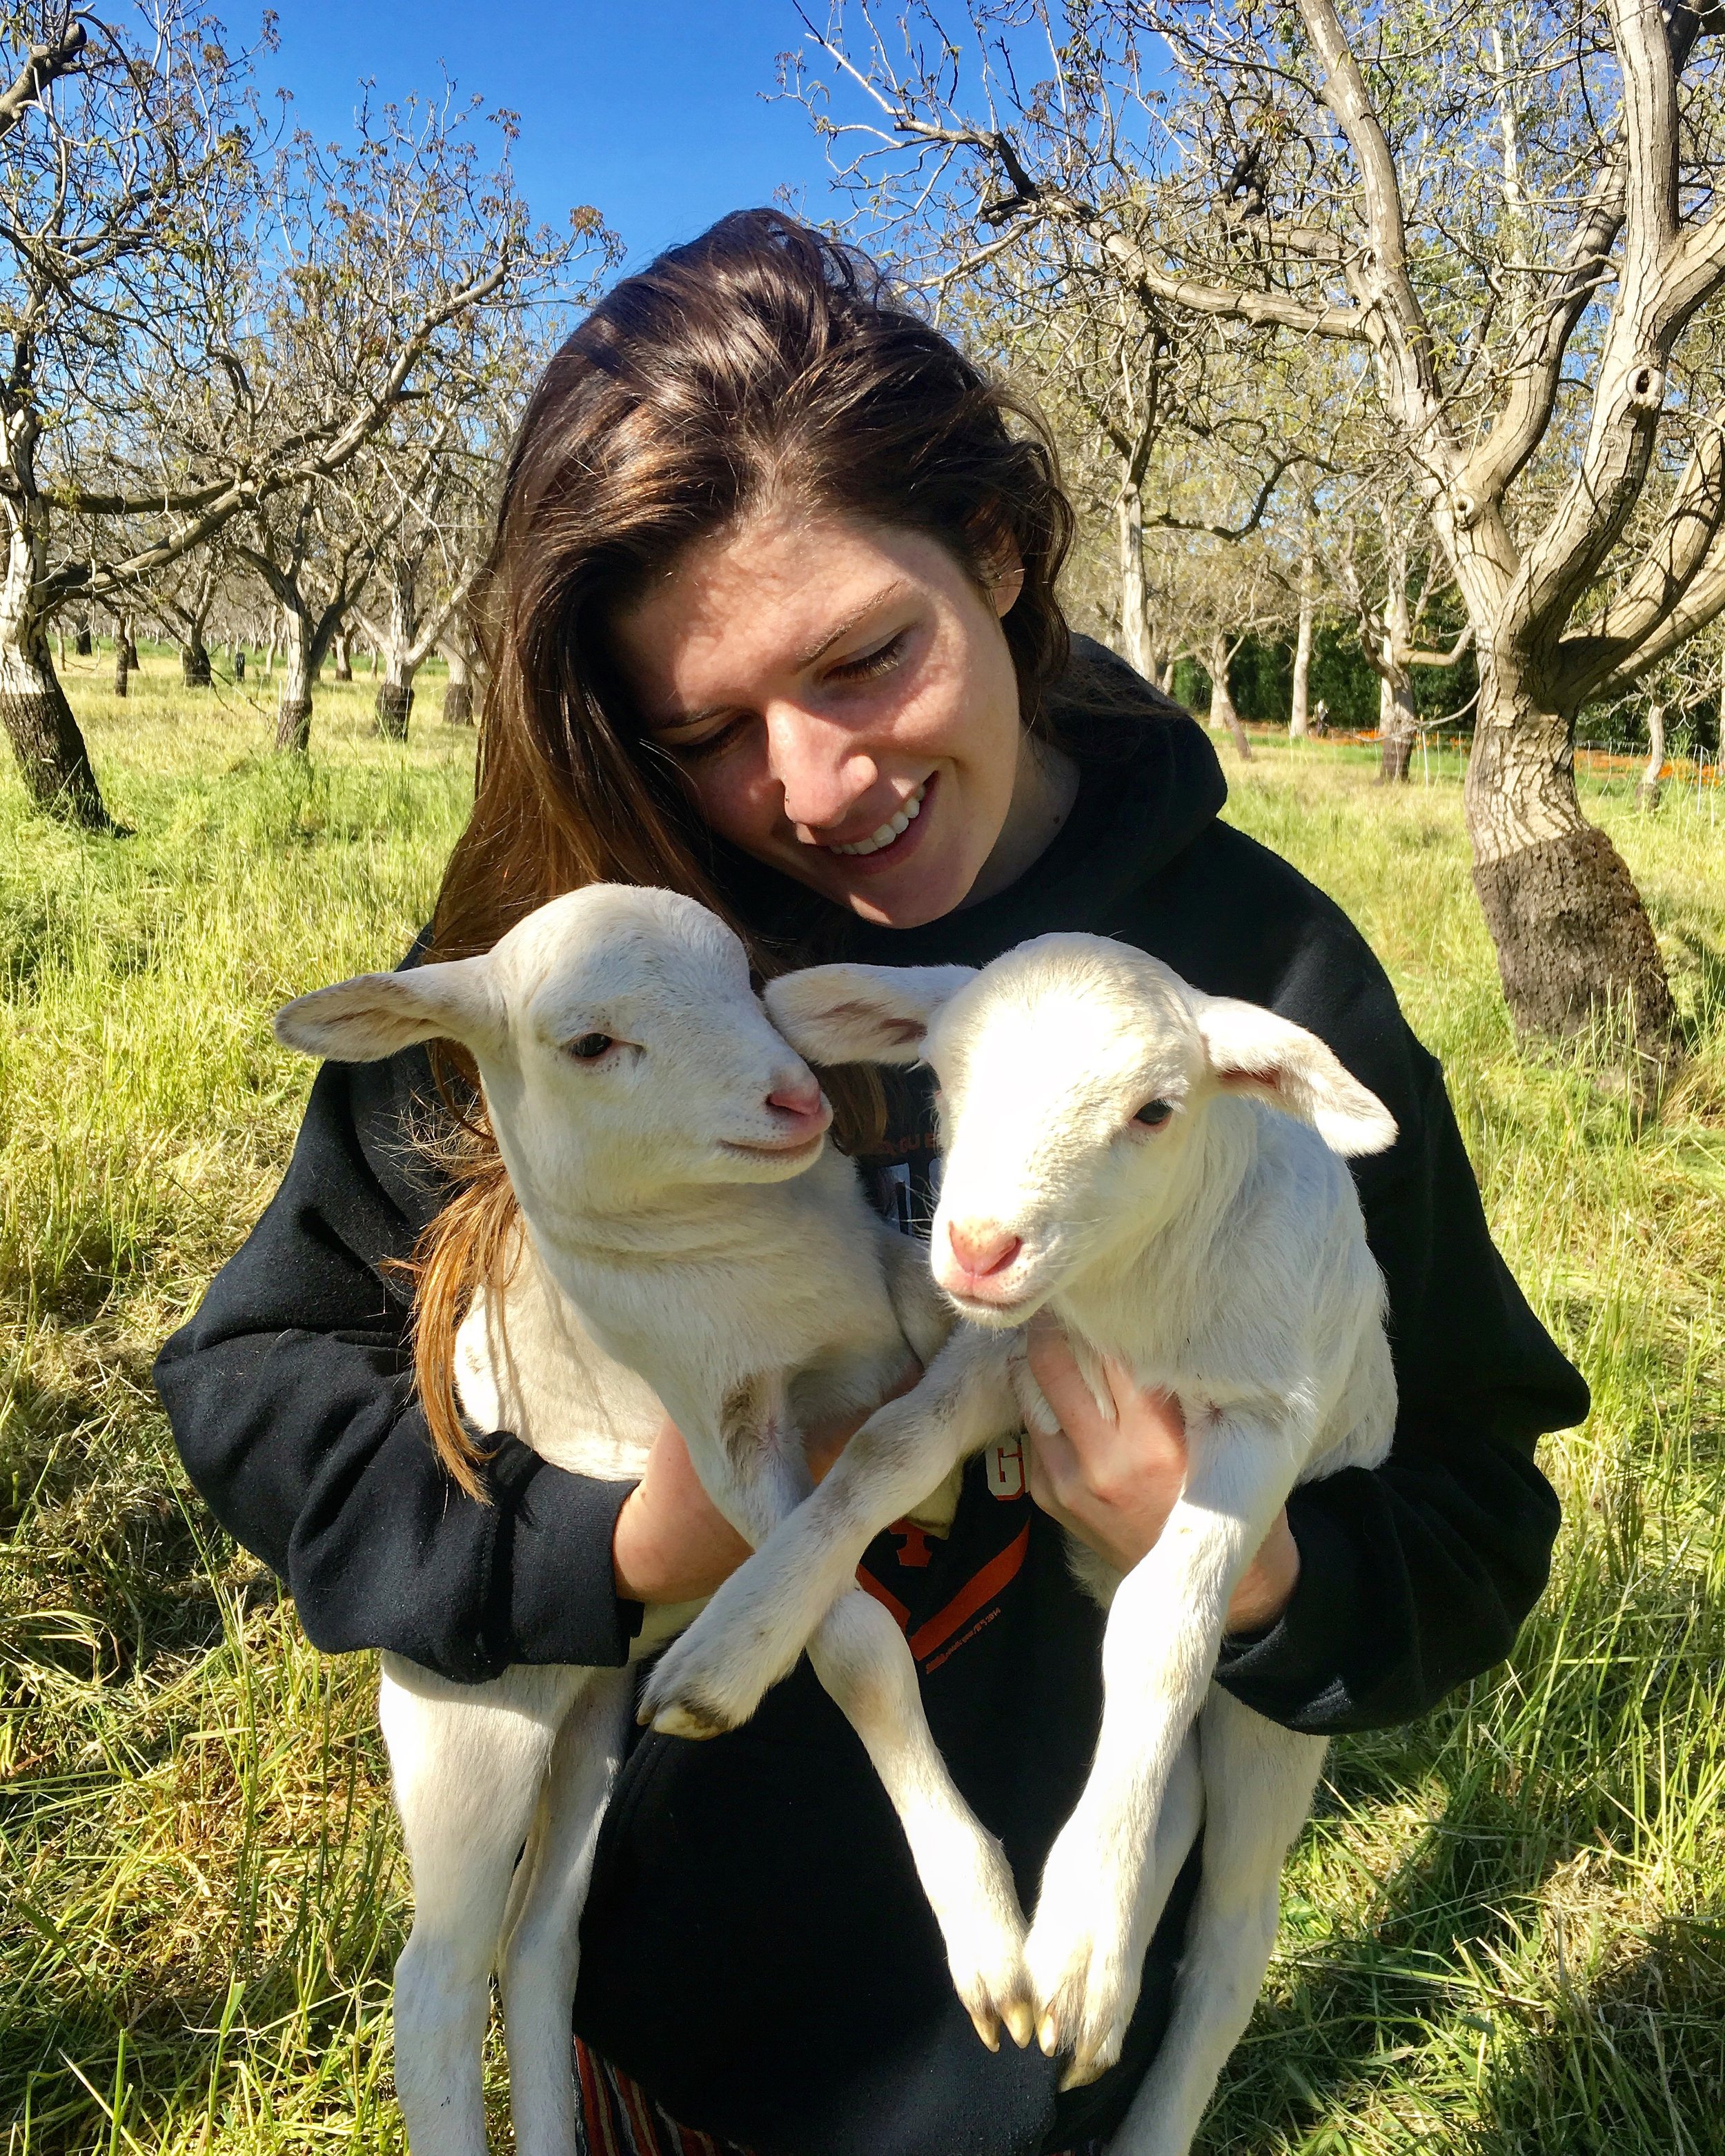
755	1949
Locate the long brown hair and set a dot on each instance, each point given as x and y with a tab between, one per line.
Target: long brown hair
762	362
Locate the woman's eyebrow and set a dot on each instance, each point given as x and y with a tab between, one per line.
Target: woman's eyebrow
881	598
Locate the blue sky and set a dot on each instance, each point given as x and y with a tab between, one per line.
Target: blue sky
650	110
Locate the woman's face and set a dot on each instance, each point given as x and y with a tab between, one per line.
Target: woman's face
843	702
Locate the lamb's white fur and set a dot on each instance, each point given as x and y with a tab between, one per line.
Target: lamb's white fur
664	1268
1222	1256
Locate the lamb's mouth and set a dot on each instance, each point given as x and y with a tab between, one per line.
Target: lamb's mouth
990	1310
895	827
804	1149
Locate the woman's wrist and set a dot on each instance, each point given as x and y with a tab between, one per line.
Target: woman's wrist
660	1554
1267	1586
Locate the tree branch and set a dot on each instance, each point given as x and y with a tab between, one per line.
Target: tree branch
45	64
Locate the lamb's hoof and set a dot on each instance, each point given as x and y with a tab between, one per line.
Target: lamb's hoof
986	2027
1083	2007
985	1952
686	1687
679	1708
1020	2015
677	1720
1082	2072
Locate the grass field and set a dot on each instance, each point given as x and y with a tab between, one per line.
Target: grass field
1506	1931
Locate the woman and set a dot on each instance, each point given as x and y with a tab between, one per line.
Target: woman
773	622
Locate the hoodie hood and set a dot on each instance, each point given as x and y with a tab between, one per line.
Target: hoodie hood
1149	784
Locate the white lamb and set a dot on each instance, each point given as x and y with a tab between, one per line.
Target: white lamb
1159	1168
693	1247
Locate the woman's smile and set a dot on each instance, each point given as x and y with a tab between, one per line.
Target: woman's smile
892	829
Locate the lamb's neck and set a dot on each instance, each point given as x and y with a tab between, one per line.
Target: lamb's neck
696	1226
1147	1294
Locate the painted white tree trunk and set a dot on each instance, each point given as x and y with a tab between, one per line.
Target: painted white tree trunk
1652	783
1135	643
1223	715
292	701
45	738
458	694
1300	707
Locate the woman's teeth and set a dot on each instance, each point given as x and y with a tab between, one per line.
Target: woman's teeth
888	831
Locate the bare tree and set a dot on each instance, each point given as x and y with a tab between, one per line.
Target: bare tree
1391	583
159	295
313	558
1519	239
185	595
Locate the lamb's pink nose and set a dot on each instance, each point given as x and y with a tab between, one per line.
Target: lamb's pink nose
800	1098
983	1247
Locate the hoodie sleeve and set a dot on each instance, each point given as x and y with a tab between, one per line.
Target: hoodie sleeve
1415	1576
290	1392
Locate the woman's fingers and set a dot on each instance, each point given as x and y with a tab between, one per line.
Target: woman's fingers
1056	1369
1052	1471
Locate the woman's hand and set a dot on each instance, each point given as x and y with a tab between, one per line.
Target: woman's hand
671	1542
1113	1483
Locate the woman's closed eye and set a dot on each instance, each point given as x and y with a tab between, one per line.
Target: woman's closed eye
723	735
868	665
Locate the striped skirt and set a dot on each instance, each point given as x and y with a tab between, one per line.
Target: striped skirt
620	2118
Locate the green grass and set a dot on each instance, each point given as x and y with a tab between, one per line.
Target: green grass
1506	1930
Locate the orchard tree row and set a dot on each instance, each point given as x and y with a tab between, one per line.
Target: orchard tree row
239	364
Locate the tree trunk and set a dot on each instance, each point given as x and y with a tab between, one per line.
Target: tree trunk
1222	710
393	704
1397	717
344	659
293	702
194	661
1134	608
132	652
458	693
1652	783
1573	939
52	757
1300	707
1398	728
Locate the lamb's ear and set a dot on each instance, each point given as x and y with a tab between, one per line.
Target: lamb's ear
1253	1051
375	1015
862	1014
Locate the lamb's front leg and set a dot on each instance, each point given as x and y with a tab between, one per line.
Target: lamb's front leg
863	1659
752	1632
1085	1948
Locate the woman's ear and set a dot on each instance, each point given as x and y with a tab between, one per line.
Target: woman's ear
1006	579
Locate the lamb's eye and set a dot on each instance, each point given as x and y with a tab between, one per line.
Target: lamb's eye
1154	1114
590	1047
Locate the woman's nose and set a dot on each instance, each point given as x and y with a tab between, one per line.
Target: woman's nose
819	767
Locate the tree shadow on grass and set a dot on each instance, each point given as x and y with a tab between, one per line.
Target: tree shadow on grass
1421	2028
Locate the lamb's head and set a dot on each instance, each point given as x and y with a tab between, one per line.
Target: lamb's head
621	1048
1076	1076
